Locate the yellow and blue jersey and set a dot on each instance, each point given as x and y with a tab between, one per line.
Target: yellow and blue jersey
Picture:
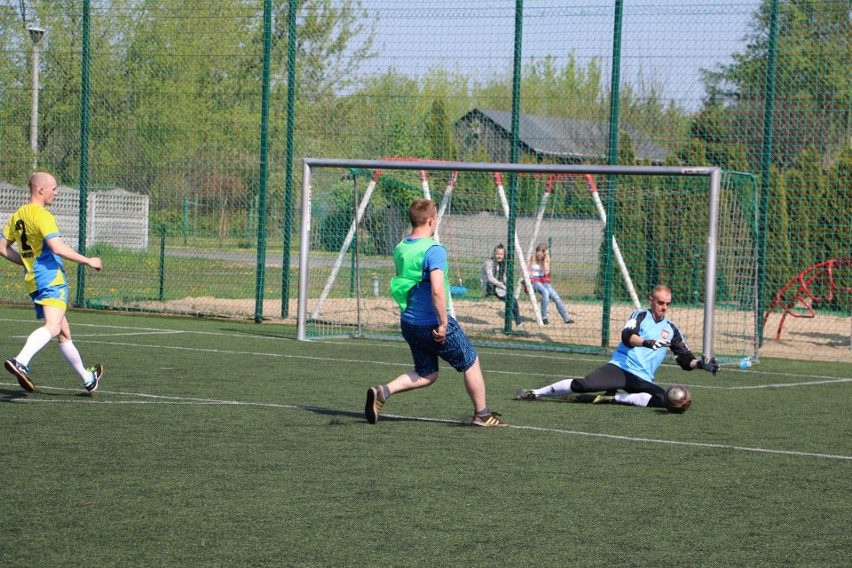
31	227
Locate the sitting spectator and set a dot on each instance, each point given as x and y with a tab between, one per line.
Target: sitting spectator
539	267
493	279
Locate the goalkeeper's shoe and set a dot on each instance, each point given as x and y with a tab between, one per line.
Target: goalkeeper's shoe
375	401
97	372
21	372
525	394
604	399
490	420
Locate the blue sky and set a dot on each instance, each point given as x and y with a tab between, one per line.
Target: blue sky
664	41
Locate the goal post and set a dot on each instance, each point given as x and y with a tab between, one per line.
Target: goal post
668	231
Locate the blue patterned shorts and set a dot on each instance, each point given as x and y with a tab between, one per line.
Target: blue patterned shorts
457	350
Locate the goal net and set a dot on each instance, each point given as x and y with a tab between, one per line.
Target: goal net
692	229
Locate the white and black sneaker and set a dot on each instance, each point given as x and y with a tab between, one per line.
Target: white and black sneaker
97	372
21	372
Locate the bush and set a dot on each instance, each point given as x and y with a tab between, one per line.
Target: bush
333	227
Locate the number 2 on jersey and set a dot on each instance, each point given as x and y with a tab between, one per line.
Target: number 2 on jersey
19	226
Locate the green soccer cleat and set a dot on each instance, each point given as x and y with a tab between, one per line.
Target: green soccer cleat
604	399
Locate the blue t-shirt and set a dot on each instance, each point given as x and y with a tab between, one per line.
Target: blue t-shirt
641	361
420	310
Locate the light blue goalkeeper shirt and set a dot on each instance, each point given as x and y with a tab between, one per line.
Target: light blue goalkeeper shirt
641	361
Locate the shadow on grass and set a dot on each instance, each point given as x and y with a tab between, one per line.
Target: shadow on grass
14	395
11	395
322	411
267	332
588	399
336	413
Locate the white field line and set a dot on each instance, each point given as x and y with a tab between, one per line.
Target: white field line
177	400
517	354
140	331
827	380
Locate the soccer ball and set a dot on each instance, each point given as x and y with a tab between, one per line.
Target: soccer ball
677	398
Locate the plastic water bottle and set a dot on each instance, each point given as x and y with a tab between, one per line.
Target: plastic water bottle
745	362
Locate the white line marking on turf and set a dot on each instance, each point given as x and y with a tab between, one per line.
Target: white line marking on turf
828	380
178	400
163	330
513	353
288	356
77	336
784	385
693	444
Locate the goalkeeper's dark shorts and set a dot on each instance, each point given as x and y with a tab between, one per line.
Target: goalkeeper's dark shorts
457	350
612	377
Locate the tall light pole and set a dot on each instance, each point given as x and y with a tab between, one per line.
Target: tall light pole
36	34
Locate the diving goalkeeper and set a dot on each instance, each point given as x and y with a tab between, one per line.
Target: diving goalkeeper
628	377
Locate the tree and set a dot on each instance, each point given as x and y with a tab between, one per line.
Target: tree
813	96
334	38
835	235
439	134
806	198
779	259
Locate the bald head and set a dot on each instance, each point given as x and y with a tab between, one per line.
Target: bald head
42	188
41	180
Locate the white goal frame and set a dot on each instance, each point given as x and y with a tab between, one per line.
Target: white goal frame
712	174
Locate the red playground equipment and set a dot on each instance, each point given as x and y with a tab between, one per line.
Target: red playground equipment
823	275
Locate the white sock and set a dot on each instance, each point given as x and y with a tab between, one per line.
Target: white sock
634	399
37	339
556	389
73	357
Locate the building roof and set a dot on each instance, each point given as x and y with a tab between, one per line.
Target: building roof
551	137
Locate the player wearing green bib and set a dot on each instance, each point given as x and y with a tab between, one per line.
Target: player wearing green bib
421	289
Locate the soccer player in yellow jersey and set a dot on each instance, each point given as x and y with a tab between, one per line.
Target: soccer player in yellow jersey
40	251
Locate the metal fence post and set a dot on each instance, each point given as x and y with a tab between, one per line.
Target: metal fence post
84	152
766	157
264	162
513	158
288	158
612	160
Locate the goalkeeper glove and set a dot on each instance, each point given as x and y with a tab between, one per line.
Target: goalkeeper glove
654	344
710	365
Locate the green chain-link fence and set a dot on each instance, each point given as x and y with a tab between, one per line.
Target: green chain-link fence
155	113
